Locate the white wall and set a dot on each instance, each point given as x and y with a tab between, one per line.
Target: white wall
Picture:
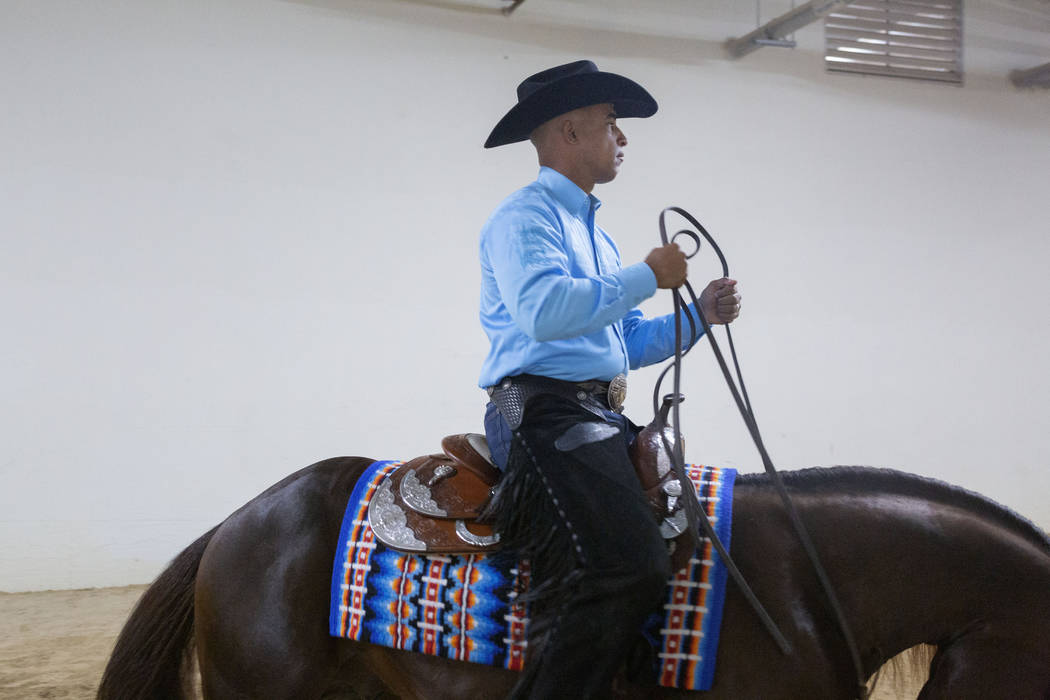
239	237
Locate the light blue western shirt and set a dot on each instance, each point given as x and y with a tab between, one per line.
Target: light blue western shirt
555	300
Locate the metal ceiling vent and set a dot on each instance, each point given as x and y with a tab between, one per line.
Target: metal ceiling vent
903	38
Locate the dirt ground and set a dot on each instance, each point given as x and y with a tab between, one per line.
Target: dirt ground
54	644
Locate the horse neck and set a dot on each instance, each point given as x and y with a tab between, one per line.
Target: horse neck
917	561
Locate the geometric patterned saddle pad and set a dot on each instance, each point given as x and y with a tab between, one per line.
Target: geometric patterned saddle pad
463	606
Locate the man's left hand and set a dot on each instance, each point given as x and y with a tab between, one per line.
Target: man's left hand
720	301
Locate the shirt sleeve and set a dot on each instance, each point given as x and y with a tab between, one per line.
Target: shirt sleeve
651	340
529	258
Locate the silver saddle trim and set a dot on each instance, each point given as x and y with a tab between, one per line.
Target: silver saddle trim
418	497
390	523
675	522
674	525
476	540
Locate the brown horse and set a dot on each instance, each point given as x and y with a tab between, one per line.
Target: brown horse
913	561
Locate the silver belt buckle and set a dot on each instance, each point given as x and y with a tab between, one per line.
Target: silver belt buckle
617	392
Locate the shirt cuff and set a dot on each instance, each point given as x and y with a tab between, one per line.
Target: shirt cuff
639	282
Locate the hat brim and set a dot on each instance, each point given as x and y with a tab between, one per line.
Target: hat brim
629	99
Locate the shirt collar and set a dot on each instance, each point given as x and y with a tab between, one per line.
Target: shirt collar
567	193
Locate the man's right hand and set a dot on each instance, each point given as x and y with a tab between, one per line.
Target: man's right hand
668	264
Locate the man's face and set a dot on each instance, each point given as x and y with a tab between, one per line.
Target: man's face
601	142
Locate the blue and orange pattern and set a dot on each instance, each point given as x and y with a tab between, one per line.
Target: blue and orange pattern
692	615
463	607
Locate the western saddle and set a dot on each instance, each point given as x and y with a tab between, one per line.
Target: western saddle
431	504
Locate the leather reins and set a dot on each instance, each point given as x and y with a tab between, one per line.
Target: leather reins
696	515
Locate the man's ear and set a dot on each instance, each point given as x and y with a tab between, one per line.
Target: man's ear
568	131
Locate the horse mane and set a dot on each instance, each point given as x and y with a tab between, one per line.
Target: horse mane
905	484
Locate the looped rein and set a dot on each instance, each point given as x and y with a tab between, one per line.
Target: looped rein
696	515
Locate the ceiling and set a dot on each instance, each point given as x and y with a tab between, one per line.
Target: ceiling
999	36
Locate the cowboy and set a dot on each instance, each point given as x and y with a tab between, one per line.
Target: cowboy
559	310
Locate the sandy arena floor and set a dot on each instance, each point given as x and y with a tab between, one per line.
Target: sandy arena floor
54	644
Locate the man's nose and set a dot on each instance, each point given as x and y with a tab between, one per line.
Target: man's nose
622	138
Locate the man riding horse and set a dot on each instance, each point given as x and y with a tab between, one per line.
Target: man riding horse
559	310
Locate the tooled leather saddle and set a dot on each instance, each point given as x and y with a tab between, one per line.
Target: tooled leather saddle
432	504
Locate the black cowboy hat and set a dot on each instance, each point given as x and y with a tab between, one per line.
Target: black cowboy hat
561	89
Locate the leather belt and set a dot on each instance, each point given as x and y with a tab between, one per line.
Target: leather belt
595	395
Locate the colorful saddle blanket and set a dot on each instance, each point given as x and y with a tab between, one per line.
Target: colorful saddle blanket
463	607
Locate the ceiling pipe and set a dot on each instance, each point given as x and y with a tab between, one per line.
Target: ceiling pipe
774	32
1032	77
